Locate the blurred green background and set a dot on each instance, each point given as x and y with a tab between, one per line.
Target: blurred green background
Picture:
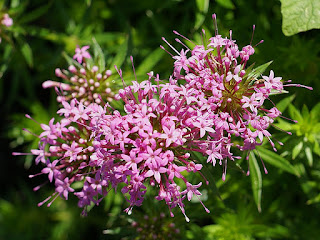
33	47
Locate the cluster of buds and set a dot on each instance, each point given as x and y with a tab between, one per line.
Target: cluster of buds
86	83
218	109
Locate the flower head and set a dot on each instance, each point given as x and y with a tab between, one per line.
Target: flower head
227	95
86	82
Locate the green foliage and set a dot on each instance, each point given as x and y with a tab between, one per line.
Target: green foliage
300	16
306	132
44	36
256	180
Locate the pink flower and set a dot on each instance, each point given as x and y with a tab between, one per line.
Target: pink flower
81	53
6	20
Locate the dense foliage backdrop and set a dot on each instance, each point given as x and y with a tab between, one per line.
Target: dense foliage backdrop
43	32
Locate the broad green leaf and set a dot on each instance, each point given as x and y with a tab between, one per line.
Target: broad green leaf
226	4
299	15
256	180
296	150
150	61
27	53
284	103
258	71
203	6
309	155
276	160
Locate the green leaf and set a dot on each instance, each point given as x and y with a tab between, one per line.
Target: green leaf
203	6
309	155
284	103
296	150
295	114
258	71
226	4
315	112
98	54
316	148
122	54
27	53
305	113
276	92
299	15
316	199
32	15
276	160
256	180
71	61
150	61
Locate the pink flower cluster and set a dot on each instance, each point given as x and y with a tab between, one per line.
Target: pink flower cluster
99	147
88	84
217	111
227	96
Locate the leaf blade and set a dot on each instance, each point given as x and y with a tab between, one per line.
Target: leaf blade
299	16
277	161
256	180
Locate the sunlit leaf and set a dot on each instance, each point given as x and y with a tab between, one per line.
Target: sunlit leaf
299	15
316	148
226	4
27	53
309	155
296	150
314	200
284	103
202	6
315	112
305	113
98	54
294	113
256	180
